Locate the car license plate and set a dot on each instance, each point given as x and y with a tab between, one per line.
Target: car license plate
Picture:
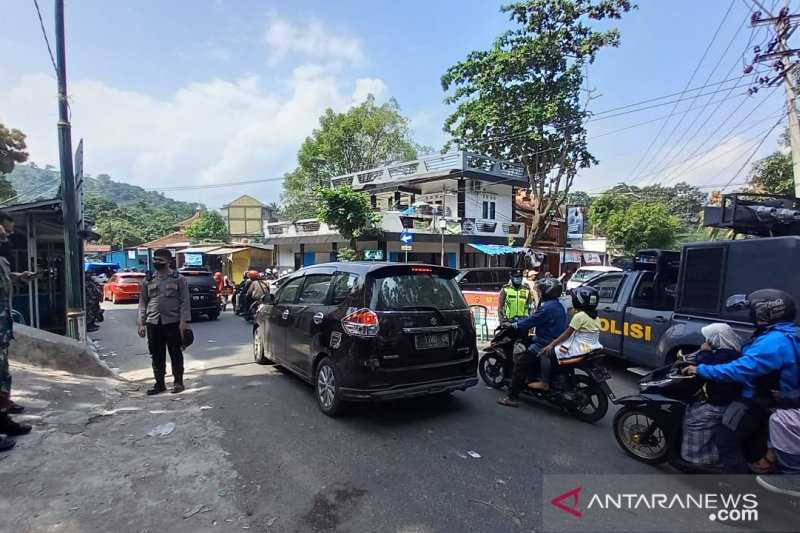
195	298
599	373
432	340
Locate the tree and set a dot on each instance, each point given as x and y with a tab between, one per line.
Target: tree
520	99
683	200
210	226
642	225
13	150
579	199
349	212
364	137
773	175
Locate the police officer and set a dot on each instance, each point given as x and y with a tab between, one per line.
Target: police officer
164	314
515	299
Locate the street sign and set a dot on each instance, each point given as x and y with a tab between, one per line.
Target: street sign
406	238
373	255
406	248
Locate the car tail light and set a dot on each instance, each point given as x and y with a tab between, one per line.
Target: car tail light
361	323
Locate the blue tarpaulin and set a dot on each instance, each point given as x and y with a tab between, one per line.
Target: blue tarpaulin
498	249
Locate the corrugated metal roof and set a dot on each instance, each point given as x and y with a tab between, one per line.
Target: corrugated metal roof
226	251
198	249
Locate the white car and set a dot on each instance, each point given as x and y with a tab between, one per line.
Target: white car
584	274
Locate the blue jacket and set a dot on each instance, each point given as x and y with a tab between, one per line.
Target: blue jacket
772	351
550	321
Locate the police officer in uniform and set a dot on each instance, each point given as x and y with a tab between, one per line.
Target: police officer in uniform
515	299
164	313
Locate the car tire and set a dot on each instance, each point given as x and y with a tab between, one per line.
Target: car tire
214	315
326	388
259	353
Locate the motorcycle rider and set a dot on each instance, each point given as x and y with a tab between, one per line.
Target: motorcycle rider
515	298
550	320
774	349
258	288
581	336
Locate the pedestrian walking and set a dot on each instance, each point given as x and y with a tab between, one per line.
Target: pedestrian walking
164	313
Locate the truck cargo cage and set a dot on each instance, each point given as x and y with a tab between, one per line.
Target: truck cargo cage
764	215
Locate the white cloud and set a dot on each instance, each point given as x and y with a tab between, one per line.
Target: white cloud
206	132
310	38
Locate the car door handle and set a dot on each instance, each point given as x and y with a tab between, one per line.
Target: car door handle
318	318
285	315
659	319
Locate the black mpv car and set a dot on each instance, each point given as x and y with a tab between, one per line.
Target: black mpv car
361	331
203	298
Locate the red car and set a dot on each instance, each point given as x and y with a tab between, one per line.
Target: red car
123	286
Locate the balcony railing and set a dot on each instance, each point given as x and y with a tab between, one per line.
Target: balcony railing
454	161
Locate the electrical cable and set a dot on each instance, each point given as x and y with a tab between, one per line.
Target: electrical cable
44	34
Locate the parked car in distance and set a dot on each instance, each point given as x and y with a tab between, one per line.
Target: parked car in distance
584	274
123	286
489	279
369	331
203	297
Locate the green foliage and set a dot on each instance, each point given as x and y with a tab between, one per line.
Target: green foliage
128	225
349	211
347	254
13	150
683	200
579	199
366	136
773	175
520	99
209	227
642	225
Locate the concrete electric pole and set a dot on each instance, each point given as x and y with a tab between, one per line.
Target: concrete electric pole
779	53
76	316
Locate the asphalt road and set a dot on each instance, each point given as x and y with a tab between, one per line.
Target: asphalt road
449	465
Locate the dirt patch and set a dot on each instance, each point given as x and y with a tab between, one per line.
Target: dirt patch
331	507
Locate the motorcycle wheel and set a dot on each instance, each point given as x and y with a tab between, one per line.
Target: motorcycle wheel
491	367
629	425
596	405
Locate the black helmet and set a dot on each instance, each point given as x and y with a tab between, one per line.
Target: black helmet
585	298
549	288
770	306
187	338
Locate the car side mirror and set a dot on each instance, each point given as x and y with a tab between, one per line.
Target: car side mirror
737	302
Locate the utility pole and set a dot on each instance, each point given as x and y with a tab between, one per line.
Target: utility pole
76	319
779	51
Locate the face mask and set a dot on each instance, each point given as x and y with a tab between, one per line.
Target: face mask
516	281
160	265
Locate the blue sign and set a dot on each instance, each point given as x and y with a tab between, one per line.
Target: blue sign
194	260
407	238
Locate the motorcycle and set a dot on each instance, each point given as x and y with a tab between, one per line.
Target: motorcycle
649	425
584	395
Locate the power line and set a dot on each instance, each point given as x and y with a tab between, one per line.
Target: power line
691	78
44	34
667	155
753	153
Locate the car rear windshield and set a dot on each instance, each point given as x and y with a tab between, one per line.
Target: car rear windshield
583	275
131	277
416	290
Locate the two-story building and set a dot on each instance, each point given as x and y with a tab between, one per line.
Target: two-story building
245	217
445	202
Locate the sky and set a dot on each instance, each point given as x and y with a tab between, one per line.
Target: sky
174	94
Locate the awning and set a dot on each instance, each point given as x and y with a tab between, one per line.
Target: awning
225	251
498	249
198	250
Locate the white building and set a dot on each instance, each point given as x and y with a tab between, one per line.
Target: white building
459	198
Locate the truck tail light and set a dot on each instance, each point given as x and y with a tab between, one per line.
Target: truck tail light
361	323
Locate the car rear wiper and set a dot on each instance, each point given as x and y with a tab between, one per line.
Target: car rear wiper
422	308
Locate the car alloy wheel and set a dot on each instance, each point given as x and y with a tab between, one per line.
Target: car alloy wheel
258	347
327	389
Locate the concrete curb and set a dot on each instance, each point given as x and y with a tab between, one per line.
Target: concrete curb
41	348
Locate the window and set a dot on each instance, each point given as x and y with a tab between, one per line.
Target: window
702	279
491	210
485	210
343	285
288	292
608	286
645	293
412	291
315	290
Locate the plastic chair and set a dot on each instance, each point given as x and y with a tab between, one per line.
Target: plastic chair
479	314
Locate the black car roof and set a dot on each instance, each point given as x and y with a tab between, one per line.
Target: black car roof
362	267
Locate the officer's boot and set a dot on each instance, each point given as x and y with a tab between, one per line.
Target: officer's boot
11	428
158	388
177	384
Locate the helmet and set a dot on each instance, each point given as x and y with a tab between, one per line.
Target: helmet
187	338
549	288
585	298
253	275
770	306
